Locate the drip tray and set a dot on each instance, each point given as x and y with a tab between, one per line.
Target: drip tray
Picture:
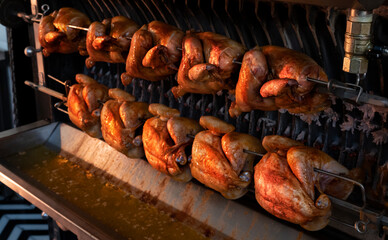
99	193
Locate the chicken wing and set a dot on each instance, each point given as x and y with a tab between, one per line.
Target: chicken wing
165	139
109	40
154	51
120	118
56	36
207	64
218	159
84	104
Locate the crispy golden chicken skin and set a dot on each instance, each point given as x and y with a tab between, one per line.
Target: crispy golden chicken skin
279	192
109	40
166	137
285	182
56	36
84	104
154	52
120	118
207	63
218	157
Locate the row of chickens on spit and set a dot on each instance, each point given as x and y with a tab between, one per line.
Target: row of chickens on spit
213	153
269	78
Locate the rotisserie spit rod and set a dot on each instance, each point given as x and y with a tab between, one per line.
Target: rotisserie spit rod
46	90
349	91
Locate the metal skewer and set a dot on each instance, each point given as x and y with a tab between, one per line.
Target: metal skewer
79	28
57	80
237	62
46	90
349	91
58	107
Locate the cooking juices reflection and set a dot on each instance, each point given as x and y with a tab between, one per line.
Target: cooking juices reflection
112	206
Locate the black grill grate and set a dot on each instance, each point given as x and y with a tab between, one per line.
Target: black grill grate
313	30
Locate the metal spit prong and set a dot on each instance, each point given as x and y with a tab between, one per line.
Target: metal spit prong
254	153
236	62
79	28
346	179
58	106
46	90
57	80
330	84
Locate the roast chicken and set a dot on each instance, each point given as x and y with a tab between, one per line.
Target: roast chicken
154	53
165	138
120	118
208	63
274	78
56	36
285	182
109	40
84	104
219	160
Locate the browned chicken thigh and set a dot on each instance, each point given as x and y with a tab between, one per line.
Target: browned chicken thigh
165	138
285	182
154	52
218	157
109	40
207	63
84	104
288	89
56	36
120	118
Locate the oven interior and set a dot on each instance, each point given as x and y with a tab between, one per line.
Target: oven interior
354	134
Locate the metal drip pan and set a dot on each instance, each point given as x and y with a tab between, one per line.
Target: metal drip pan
192	204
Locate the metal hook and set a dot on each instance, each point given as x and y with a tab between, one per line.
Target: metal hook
361	226
58	106
346	179
45	8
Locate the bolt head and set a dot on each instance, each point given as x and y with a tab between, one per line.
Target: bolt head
355	64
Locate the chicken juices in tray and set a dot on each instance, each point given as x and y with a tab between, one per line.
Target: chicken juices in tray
56	37
208	63
285	182
109	40
84	104
166	137
219	160
154	53
120	118
273	78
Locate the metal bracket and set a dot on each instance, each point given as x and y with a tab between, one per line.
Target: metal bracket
37	17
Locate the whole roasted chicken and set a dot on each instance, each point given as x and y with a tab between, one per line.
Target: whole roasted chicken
207	64
165	138
120	118
154	52
84	104
56	36
285	182
109	40
274	78
219	160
